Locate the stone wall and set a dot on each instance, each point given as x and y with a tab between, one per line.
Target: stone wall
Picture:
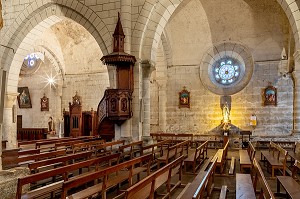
188	45
90	87
1	19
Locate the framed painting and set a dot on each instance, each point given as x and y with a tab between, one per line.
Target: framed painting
44	103
24	97
270	96
184	98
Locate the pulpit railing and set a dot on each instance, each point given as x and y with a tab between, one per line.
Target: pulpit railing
116	105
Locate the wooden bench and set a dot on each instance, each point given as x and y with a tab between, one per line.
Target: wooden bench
87	145
197	158
129	151
290	183
147	187
221	156
172	153
54	174
246	186
156	149
294	153
67	145
28	152
265	144
246	157
275	157
26	144
108	147
202	183
35	167
110	177
24	160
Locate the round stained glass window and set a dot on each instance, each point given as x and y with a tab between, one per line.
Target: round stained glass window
226	70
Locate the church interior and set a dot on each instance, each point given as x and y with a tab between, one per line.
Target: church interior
149	99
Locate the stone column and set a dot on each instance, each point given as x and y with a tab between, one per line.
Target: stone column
126	23
147	69
162	104
9	128
296	78
124	132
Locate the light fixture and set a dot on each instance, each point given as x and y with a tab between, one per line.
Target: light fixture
50	80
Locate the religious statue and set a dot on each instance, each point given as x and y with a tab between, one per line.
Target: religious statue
226	114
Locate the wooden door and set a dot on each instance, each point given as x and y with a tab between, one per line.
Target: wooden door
19	122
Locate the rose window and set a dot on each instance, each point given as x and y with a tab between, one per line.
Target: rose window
226	71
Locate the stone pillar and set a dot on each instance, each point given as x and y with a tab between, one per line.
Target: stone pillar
124	132
162	105
9	128
126	23
296	78
147	69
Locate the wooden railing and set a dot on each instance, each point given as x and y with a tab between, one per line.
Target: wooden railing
116	105
31	134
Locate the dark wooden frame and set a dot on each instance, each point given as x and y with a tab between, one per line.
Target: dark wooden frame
20	91
270	96
184	98
44	103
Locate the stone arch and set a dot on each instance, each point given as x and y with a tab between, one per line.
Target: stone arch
54	54
155	15
36	18
167	49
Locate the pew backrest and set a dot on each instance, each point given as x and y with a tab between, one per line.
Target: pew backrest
61	171
259	177
104	173
207	180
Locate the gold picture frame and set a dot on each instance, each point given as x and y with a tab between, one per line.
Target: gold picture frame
184	98
270	96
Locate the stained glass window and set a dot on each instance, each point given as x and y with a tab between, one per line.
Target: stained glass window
226	70
31	59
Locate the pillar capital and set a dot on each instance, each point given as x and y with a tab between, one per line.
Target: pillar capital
148	67
10	99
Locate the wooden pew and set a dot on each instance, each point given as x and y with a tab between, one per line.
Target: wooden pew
172	153
35	167
265	144
129	151
147	187
294	153
87	145
276	157
24	160
221	156
67	145
108	180
28	152
246	186
156	149
290	183
26	144
246	157
202	183
197	158
108	147
55	173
